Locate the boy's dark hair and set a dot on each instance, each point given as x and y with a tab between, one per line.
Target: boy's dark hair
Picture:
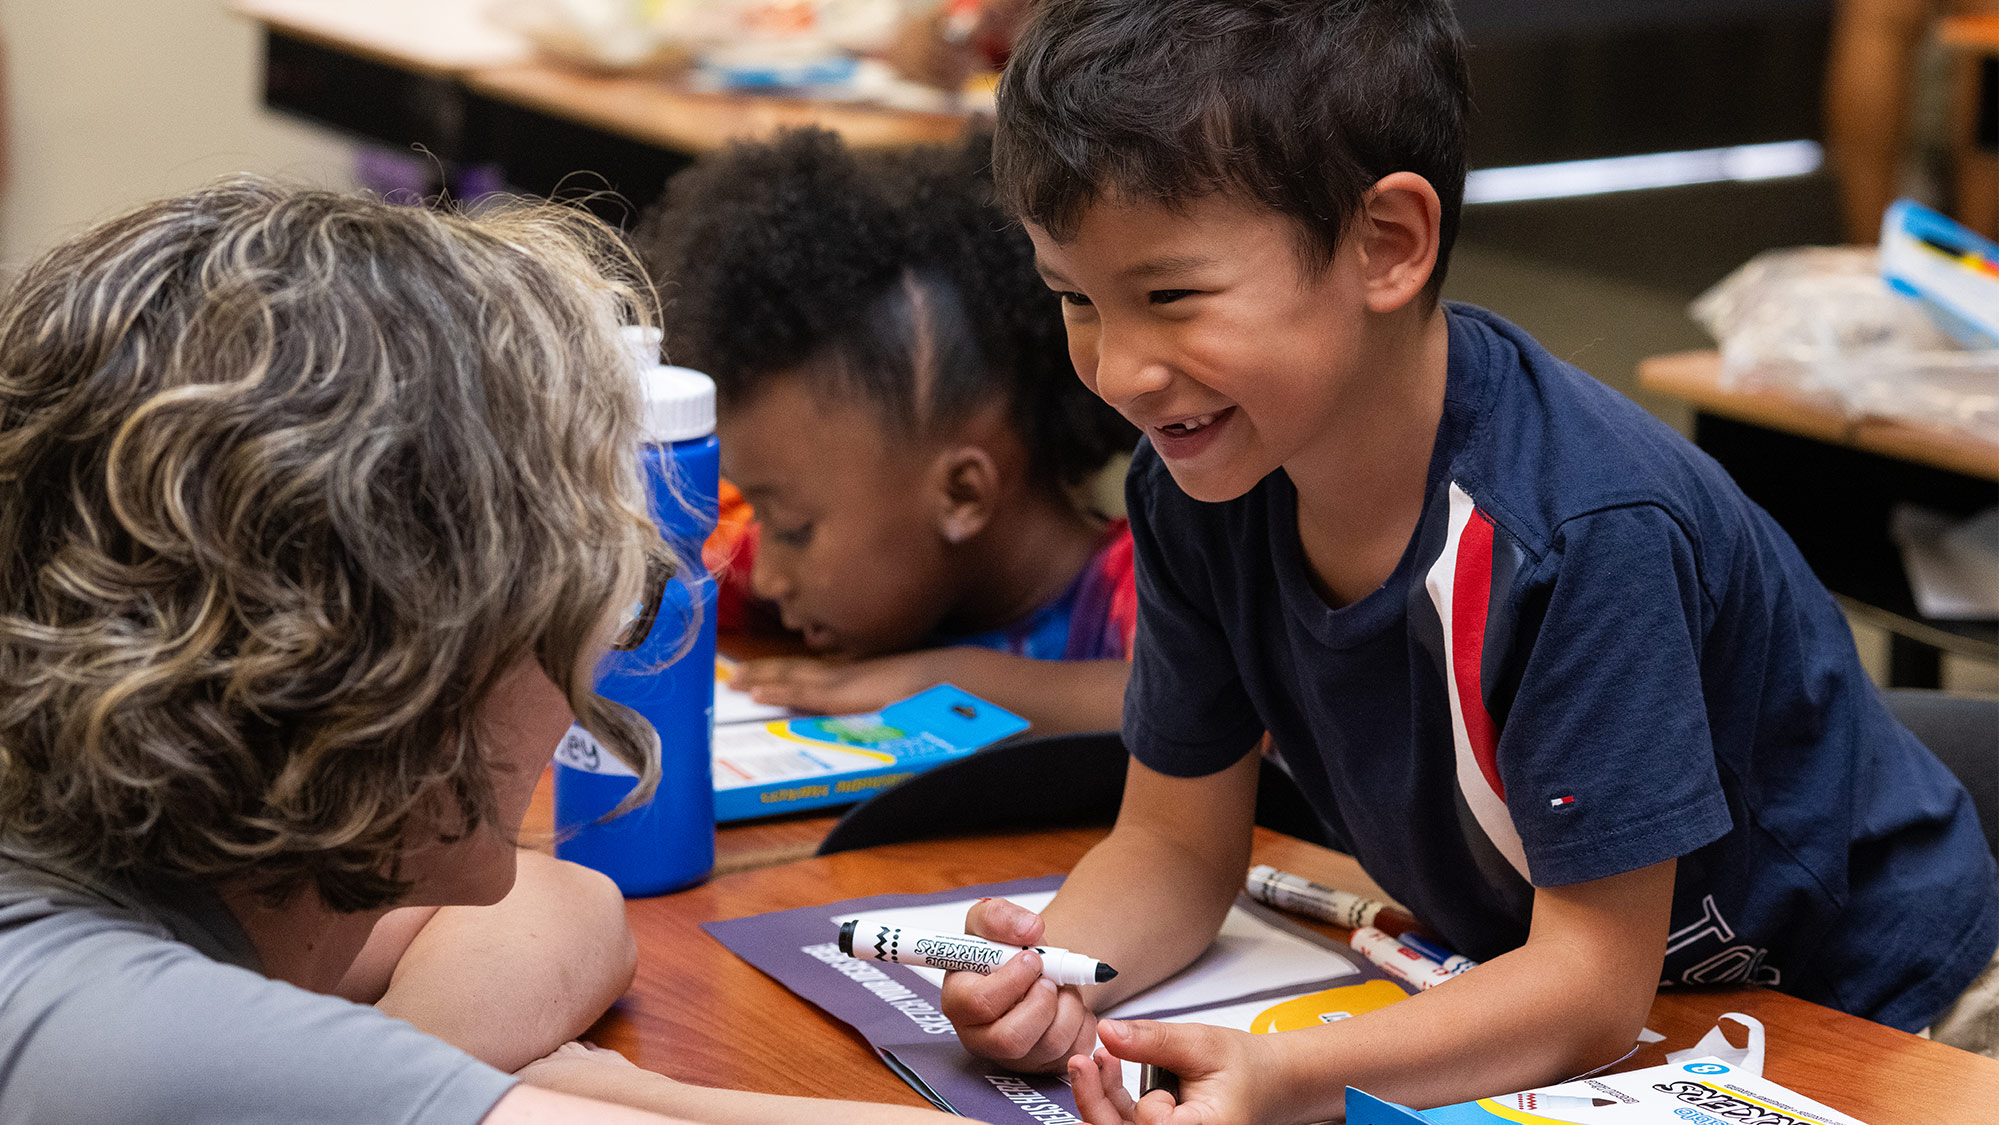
1295	105
892	273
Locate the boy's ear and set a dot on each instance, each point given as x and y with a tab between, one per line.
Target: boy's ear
967	489
1399	234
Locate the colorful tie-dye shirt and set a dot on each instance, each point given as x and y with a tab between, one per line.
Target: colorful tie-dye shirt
1093	619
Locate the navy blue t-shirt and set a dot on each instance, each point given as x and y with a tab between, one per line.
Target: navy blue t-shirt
1595	655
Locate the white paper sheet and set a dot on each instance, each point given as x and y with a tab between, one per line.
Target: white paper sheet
1953	565
734	706
1249	955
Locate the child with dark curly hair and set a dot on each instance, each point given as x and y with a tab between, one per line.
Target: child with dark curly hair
896	402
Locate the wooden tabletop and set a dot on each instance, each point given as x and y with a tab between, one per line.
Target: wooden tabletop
457	40
441	38
698	1013
1697	378
660	112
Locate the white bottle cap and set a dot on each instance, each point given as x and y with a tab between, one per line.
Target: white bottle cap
679	402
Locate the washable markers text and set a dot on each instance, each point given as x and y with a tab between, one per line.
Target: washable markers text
879	938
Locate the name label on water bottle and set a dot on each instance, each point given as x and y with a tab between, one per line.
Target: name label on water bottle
580	751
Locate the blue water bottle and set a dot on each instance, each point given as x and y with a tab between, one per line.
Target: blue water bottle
669	842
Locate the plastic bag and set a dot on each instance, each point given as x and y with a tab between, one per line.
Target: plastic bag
1821	322
617	35
1748	1058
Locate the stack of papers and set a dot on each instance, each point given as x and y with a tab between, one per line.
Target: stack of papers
1264	973
1696	1092
767	760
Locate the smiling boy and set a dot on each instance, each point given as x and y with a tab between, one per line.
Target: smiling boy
1558	685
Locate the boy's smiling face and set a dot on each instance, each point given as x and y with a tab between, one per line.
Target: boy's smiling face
1202	326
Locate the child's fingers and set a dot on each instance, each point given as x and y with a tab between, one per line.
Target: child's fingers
753	673
973	1001
996	919
799	684
761	667
1071	1030
1027	1034
1156	1108
1093	1102
777	695
804	684
1111	1080
781	669
1176	1046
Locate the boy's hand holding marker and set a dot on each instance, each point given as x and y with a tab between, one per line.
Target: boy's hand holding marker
1015	1015
1014	1010
1019	1016
1221	1071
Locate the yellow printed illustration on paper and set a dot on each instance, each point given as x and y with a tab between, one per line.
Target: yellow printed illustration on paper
850	734
1327	1006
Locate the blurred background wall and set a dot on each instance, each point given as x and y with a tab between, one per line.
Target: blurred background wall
110	102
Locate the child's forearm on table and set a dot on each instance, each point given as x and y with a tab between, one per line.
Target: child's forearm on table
644	1089
1150	897
1571	999
509	982
1521	1020
1057	696
1145	918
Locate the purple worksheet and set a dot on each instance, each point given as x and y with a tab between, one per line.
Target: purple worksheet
1264	973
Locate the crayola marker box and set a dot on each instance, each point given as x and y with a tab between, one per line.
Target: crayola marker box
1950	268
1699	1092
818	761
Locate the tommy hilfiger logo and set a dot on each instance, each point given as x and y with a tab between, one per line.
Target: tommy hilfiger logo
1561	802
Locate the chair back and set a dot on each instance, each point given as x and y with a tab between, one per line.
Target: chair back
1964	732
1059	781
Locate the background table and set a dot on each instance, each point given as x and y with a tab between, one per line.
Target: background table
1831	481
698	1013
473	96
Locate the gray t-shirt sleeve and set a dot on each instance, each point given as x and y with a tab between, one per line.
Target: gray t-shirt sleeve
105	1017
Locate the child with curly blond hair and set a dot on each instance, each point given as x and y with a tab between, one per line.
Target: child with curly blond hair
317	513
